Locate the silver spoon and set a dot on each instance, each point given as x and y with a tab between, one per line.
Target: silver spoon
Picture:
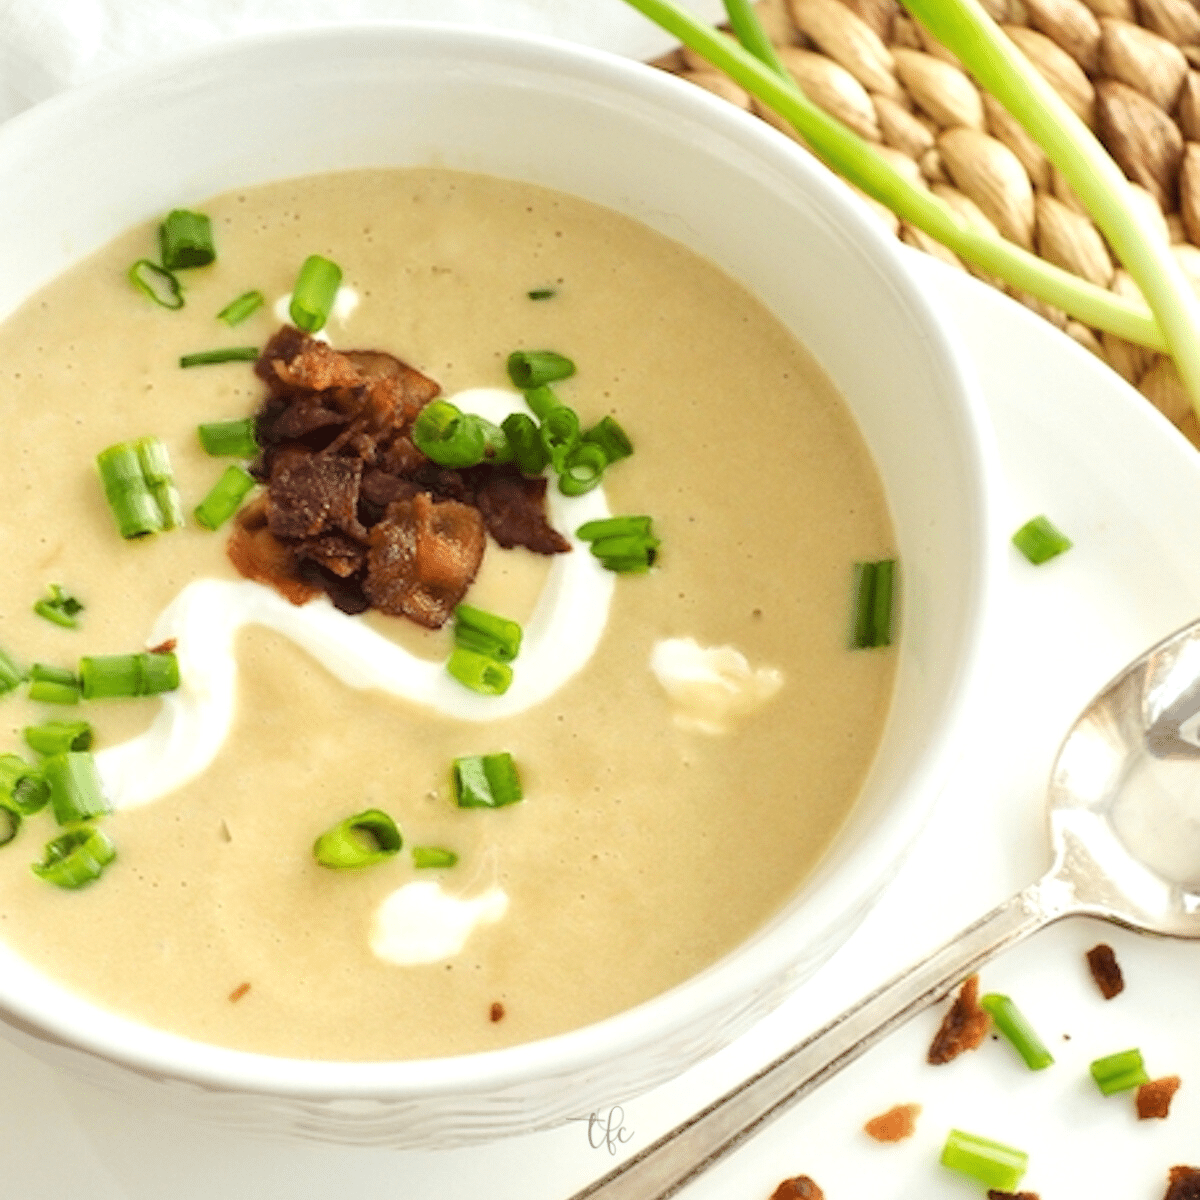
1123	808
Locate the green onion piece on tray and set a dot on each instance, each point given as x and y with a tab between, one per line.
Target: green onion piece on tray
1011	1022
448	436
225	497
236	438
425	857
1040	541
526	443
560	434
22	786
486	633
57	737
992	1164
360	841
10	674
532	368
611	438
185	239
542	400
113	676
236	311
315	292
1119	1072
612	527
75	791
224	354
10	822
140	487
546	293
582	468
156	283
486	781
58	607
479	672
53	685
874	593
76	857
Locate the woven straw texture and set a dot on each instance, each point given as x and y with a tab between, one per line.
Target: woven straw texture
1129	68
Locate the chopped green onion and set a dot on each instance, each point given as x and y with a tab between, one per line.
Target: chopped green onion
611	438
158	284
495	441
542	293
542	400
10	822
532	368
56	737
526	443
480	672
486	781
59	607
582	469
22	786
560	434
1119	1072
611	527
53	685
108	676
76	857
226	354
1040	541
874	589
359	841
315	291
225	497
622	544
448	436
75	791
1011	1022
236	438
432	856
186	240
140	487
486	633
10	674
236	311
990	1163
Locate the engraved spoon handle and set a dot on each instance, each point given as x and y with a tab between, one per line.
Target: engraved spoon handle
666	1165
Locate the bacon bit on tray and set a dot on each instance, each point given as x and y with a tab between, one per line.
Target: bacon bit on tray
1184	1184
1154	1098
798	1188
898	1123
167	647
996	1194
963	1028
496	1013
1106	971
238	992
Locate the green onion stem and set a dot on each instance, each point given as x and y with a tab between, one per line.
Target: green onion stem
185	239
486	781
425	857
479	672
111	676
542	400
360	841
560	434
236	438
1119	1072
874	599
315	291
236	311
990	1163
448	436
157	284
533	368
611	438
1040	540
53	685
22	786
486	633
75	791
10	674
224	354
525	442
58	607
1011	1022
140	487
76	857
582	469
852	157
225	497
10	822
57	737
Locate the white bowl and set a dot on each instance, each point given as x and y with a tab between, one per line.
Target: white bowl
81	168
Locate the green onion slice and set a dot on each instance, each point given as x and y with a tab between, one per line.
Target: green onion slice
10	822
532	368
59	607
611	438
479	672
1119	1072
433	856
486	781
186	240
237	438
525	443
495	441
156	283
57	737
76	857
224	354
140	487
1011	1022
315	291
1040	541
486	633
542	400
874	590
10	674
109	676
582	469
560	434
448	436
75	791
545	293
626	554
53	685
22	786
613	527
991	1163
236	311
359	841
225	497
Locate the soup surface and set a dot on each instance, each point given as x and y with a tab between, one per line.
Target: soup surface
643	849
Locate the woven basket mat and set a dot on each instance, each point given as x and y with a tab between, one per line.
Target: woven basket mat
1129	68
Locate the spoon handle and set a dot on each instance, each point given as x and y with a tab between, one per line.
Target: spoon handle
666	1165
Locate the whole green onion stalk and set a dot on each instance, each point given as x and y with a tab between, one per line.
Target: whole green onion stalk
961	25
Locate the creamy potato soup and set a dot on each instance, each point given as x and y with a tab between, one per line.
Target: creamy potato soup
680	780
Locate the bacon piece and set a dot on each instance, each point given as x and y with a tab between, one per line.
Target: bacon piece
898	1123
293	361
1183	1184
258	554
1154	1098
311	494
800	1187
1106	971
964	1026
423	556
514	510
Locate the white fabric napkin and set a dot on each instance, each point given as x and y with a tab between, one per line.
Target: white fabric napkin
47	46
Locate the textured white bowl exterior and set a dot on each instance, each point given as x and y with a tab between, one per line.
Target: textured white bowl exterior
77	170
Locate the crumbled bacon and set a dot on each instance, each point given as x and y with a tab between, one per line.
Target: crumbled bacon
1183	1184
352	508
964	1026
898	1123
801	1187
1106	971
1154	1098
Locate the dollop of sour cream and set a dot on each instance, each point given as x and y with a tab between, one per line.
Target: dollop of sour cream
710	687
422	923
